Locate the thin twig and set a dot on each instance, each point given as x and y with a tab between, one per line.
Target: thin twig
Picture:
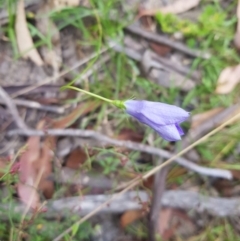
183	70
11	89
166	41
133	54
12	108
36	105
186	200
147	175
105	140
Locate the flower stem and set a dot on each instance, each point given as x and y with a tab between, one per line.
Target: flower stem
92	94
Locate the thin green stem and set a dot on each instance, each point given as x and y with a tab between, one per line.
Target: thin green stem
92	94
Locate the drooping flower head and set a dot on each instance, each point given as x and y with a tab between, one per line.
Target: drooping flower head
163	118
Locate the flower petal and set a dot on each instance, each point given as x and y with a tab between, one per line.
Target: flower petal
168	132
180	130
163	118
156	112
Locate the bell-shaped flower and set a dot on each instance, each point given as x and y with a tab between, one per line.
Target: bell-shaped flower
163	118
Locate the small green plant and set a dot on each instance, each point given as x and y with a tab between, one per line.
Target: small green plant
109	164
211	21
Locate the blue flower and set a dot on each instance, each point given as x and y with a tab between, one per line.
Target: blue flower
163	118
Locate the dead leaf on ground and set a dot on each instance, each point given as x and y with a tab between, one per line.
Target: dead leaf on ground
82	109
233	113
129	135
28	176
60	4
164	223
52	55
36	162
176	7
45	169
130	217
35	168
76	158
201	118
180	6
174	222
160	49
198	119
228	79
24	39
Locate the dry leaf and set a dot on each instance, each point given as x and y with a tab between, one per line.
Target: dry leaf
59	4
80	110
52	55
24	39
164	222
76	158
36	161
27	186
173	222
45	168
228	79
233	113
28	194
35	167
177	7
129	135
131	216
160	49
180	6
198	119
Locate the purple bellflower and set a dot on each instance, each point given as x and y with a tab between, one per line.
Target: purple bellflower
163	118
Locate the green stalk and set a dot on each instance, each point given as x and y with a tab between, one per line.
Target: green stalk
92	94
117	103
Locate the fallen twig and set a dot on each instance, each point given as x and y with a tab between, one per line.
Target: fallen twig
186	200
36	105
12	108
215	172
41	89
166	41
178	68
133	54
